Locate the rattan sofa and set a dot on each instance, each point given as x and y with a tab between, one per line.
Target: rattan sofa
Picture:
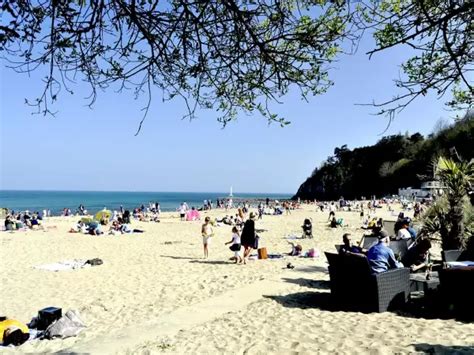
354	287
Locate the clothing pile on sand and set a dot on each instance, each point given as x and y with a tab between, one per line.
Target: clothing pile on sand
69	265
49	324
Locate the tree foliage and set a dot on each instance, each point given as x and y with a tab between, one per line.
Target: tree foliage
393	162
233	55
441	35
227	55
452	216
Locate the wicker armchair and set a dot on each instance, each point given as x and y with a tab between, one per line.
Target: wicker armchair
450	255
457	290
353	287
389	226
368	241
399	247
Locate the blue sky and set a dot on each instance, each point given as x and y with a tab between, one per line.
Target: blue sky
84	149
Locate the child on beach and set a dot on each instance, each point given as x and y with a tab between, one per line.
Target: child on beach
207	232
235	247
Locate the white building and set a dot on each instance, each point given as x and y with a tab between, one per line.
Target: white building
428	189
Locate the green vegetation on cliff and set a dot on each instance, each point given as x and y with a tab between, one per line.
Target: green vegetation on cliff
393	162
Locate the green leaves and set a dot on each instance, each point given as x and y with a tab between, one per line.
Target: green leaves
231	56
388	35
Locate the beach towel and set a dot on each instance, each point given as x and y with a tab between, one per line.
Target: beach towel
275	256
193	215
69	265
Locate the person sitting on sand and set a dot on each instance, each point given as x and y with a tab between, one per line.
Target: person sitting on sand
26	218
9	223
226	220
348	247
104	220
236	246
94	229
417	258
33	221
333	223
296	249
372	223
115	228
125	228
126	216
207	233
79	228
381	257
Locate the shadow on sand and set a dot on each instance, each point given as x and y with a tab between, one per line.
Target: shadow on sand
198	260
178	257
321	300
212	262
324	301
313	268
319	284
443	349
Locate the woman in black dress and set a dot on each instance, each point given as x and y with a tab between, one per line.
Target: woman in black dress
248	236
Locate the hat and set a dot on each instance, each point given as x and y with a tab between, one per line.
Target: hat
406	220
383	234
252	215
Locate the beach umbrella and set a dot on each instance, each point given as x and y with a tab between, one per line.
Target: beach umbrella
103	214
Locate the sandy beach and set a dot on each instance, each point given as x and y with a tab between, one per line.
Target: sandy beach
156	294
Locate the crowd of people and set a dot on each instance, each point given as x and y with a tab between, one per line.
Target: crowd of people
382	258
244	238
20	220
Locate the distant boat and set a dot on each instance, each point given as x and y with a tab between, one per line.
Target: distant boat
230	194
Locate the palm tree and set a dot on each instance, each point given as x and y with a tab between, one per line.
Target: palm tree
457	178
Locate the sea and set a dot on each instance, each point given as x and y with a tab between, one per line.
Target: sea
94	201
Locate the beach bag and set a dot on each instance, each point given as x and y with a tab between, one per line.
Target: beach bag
257	238
235	247
69	325
47	316
94	262
262	253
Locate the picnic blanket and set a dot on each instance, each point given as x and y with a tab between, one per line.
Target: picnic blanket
69	265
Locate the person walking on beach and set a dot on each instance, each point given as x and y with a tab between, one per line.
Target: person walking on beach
248	237
260	210
182	211
207	233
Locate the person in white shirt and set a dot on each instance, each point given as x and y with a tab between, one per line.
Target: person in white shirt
182	211
403	232
236	246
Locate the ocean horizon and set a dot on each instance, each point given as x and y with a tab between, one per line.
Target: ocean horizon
57	200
